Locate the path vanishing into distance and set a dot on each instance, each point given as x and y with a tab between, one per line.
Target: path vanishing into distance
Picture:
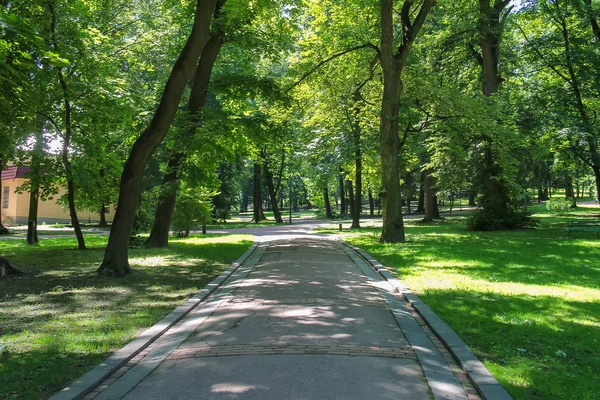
303	317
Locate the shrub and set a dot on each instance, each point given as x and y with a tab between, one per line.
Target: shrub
559	205
518	218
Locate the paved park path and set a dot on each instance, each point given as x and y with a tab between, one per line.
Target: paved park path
303	318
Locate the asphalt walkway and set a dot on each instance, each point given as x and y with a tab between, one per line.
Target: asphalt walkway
303	318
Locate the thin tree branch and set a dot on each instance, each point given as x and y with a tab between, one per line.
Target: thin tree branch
331	58
541	56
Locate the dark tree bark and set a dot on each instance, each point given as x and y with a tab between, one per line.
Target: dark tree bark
34	187
392	64
6	268
165	207
421	202
271	189
115	257
430	199
491	27
351	201
472	195
593	20
3	230
586	121
569	192
358	175
103	223
246	195
371	203
328	213
343	208
103	208
436	208
257	201
66	135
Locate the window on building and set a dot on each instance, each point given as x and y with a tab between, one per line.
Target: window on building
5	193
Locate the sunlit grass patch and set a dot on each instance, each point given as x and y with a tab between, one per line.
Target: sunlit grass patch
527	302
60	318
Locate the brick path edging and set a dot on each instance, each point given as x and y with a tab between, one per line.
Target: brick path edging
485	383
87	382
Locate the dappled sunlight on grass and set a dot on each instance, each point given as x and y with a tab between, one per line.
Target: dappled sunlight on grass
60	318
527	302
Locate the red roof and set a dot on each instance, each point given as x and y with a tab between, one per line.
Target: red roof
14	172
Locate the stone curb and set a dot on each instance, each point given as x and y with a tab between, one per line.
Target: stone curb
87	382
485	383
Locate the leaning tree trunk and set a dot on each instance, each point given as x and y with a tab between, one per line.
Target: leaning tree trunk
392	64
257	203
165	207
115	257
67	136
272	194
328	213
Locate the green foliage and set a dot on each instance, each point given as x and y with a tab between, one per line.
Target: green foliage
193	210
517	218
561	206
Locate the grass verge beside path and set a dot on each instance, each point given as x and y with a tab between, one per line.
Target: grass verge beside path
60	319
527	302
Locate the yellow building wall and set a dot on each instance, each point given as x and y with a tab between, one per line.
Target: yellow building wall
48	211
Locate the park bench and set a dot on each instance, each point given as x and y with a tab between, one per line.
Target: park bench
583	226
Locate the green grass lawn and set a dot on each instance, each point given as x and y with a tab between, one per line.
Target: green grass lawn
527	302
60	319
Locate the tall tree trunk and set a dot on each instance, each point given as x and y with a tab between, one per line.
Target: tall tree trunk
371	203
165	207
34	188
586	121
491	26
472	196
343	208
358	176
246	195
351	202
421	202
3	230
271	189
570	193
115	257
430	199
328	213
257	201
103	208
103	223
392	64
67	135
